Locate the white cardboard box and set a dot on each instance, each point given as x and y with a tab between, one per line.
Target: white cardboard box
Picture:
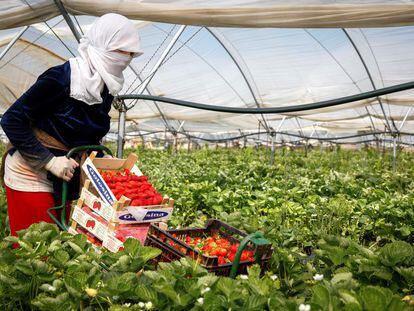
89	223
127	215
106	207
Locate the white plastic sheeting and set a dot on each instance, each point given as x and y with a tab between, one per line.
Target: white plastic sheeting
238	67
230	13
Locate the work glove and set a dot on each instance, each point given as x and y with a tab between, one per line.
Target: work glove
62	167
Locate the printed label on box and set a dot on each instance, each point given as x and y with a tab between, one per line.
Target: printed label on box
136	214
112	243
89	223
97	180
97	205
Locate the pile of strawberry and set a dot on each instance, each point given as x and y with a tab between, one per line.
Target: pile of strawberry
220	247
137	188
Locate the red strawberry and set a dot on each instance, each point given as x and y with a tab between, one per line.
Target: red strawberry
234	248
221	260
97	205
90	224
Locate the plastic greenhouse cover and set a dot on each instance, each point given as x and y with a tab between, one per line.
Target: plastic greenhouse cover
230	13
237	67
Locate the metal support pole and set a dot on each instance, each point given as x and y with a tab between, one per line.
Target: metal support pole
280	126
121	129
405	118
13	41
369	76
303	135
175	142
161	59
135	71
157	65
394	153
68	20
272	154
142	140
306	147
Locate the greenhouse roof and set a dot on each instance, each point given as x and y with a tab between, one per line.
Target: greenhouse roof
243	54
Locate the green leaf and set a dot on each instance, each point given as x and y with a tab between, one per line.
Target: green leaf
214	302
61	255
80	240
167	290
373	268
226	286
396	252
349	298
405	230
153	275
207	280
40	267
373	298
75	247
11	239
278	303
6	279
73	287
122	263
146	293
132	246
343	280
254	271
21	288
255	302
7	257
396	305
122	283
46	303
352	307
26	246
407	274
149	253
321	296
25	267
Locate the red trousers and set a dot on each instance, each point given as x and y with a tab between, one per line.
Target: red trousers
27	208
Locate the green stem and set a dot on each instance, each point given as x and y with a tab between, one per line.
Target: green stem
97	300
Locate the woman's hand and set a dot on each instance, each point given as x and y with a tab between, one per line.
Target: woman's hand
62	167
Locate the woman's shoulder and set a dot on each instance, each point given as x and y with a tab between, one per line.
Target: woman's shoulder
59	74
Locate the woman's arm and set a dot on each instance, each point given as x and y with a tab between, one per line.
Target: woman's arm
37	103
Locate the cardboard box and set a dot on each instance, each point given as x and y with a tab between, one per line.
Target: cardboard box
103	202
86	221
89	223
121	213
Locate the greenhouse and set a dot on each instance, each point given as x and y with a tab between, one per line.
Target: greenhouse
287	123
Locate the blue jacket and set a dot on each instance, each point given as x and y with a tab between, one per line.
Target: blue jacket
47	105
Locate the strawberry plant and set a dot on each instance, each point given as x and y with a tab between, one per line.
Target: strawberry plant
341	224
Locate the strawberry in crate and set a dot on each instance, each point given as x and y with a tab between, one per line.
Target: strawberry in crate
137	188
217	246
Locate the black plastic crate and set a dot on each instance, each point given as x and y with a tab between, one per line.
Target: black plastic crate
173	247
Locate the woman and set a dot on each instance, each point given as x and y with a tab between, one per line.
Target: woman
68	106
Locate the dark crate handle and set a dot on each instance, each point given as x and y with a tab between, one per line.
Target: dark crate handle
62	222
258	240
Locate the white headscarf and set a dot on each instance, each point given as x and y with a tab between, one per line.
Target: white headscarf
98	63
